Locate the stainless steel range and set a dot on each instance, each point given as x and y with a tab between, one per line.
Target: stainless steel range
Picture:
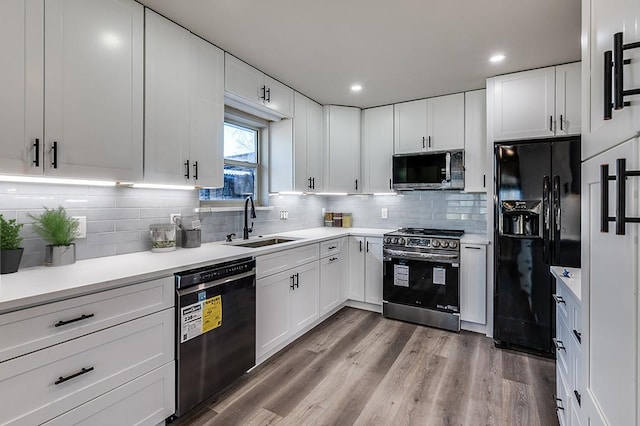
422	277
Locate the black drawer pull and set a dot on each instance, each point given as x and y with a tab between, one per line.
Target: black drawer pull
54	151
332	248
292	278
333	259
80	318
472	248
559	345
558	404
36	146
578	397
578	336
73	376
558	299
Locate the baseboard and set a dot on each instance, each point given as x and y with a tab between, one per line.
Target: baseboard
472	326
364	306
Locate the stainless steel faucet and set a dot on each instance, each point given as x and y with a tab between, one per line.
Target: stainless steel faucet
246	230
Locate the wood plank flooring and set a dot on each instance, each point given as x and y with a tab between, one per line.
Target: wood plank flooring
358	368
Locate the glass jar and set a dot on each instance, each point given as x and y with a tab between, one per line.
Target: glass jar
163	237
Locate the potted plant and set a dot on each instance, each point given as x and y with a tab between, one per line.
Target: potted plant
10	250
59	230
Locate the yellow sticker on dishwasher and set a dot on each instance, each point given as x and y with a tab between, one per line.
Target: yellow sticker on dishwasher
212	314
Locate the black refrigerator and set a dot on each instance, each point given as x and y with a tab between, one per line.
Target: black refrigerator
537	224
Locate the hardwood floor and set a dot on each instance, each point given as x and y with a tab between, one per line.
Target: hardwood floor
358	368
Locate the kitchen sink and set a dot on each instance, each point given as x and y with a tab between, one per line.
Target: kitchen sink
265	242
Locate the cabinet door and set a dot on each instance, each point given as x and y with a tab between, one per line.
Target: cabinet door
356	268
21	114
207	114
373	271
524	104
343	124
331	280
475	141
445	122
609	294
94	88
272	311
243	80
410	127
281	161
601	19
473	283
568	105
167	100
377	149
279	97
304	297
301	180
315	146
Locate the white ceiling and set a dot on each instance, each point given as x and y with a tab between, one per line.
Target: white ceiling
397	50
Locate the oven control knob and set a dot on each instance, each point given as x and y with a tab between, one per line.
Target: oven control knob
435	243
445	244
402	241
453	244
395	240
387	240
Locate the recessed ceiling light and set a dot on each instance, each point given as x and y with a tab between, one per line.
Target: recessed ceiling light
356	88
497	58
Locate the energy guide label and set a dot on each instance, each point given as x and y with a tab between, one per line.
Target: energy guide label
200	317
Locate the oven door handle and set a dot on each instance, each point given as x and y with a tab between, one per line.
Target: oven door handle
444	258
209	284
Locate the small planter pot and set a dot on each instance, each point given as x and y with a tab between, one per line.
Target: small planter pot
10	260
60	255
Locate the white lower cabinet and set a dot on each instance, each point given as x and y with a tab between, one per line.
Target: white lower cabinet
473	283
333	275
365	269
287	301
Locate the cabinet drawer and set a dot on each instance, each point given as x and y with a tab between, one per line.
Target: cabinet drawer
563	400
42	385
563	347
330	247
36	328
562	300
286	259
147	400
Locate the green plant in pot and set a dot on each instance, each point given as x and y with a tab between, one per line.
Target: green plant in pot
59	230
10	250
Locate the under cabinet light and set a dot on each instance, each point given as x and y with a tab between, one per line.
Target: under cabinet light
59	181
385	193
274	194
332	193
162	186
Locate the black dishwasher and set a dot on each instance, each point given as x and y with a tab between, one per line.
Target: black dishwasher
215	329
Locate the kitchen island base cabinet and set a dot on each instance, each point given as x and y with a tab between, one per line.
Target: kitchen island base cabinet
365	272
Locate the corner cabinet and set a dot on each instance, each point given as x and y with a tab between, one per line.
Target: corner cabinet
102	358
184	101
72	92
433	124
475	141
610	296
248	87
539	103
377	149
601	19
366	270
342	134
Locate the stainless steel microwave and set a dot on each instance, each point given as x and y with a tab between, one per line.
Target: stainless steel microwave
429	170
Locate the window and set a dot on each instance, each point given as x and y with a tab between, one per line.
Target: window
240	165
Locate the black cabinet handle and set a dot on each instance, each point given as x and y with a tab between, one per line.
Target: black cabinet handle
429	141
54	152
333	259
264	93
484	181
607	98
472	248
367	246
36	146
390	184
186	166
332	248
313	183
80	318
621	194
558	404
551	123
618	72
604	198
309	185
578	397
578	336
559	345
423	142
558	299
62	379
195	170
360	246
356	184
297	280
561	122
292	278
268	95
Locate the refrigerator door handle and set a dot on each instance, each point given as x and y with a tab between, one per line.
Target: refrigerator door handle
556	202
545	218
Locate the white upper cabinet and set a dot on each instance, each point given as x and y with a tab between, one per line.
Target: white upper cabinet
568	105
445	122
601	19
245	83
342	131
377	149
433	124
77	112
184	106
308	145
475	141
534	104
524	104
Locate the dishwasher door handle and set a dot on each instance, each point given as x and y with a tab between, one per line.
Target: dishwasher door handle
209	284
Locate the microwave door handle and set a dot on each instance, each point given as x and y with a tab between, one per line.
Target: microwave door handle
447	167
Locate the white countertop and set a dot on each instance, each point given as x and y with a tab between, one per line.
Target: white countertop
573	283
38	285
